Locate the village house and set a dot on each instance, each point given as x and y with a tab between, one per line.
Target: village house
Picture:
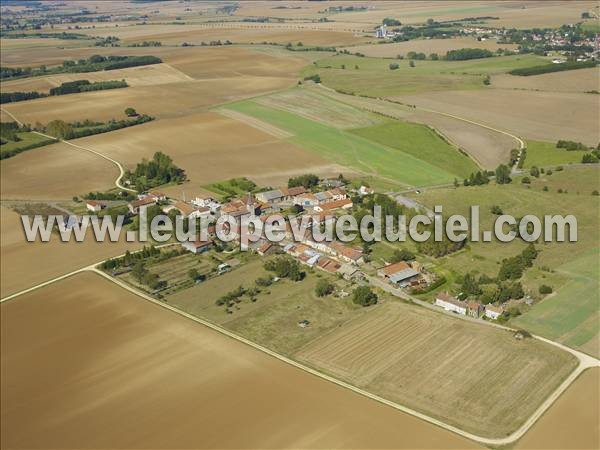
348	254
206	201
136	206
197	246
493	312
94	206
450	303
364	190
474	308
270	196
306	200
191	212
398	274
349	272
334	205
328	264
290	194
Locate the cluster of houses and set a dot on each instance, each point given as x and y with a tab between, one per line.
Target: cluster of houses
467	308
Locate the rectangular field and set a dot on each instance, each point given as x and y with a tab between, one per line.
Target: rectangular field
473	376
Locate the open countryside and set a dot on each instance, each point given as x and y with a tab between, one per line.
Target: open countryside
313	111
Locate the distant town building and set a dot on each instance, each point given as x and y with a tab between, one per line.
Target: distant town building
381	32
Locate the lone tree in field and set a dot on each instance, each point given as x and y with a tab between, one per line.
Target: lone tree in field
364	296
130	112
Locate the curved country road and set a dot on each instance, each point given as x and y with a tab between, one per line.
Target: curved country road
87	149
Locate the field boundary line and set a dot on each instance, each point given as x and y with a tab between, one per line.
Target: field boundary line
585	362
95	152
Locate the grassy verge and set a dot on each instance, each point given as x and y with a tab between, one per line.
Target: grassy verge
28	141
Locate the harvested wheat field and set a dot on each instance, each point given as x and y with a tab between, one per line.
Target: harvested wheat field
427	46
453	370
210	147
134	76
236	32
547	116
58	258
573	422
161	101
86	364
56	171
580	80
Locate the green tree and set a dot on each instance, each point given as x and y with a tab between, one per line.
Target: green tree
323	288
503	174
545	289
59	129
364	296
193	274
534	172
402	255
130	112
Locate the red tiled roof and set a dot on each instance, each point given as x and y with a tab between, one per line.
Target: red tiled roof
393	268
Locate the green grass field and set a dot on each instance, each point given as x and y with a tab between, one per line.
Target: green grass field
348	149
373	76
273	319
420	142
27	139
542	154
564	266
571	316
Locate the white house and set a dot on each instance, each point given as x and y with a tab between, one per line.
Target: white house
197	246
450	303
191	212
205	201
94	206
493	312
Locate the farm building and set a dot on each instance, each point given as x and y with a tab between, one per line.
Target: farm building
493	312
399	273
137	205
206	201
450	303
94	206
197	246
191	212
333	205
349	272
270	196
347	254
328	264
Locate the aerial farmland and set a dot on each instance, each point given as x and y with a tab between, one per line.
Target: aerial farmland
179	264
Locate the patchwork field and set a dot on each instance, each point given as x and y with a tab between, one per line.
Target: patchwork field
534	115
452	370
542	154
199	142
373	77
427	46
580	80
348	149
487	147
421	142
53	172
115	371
135	76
